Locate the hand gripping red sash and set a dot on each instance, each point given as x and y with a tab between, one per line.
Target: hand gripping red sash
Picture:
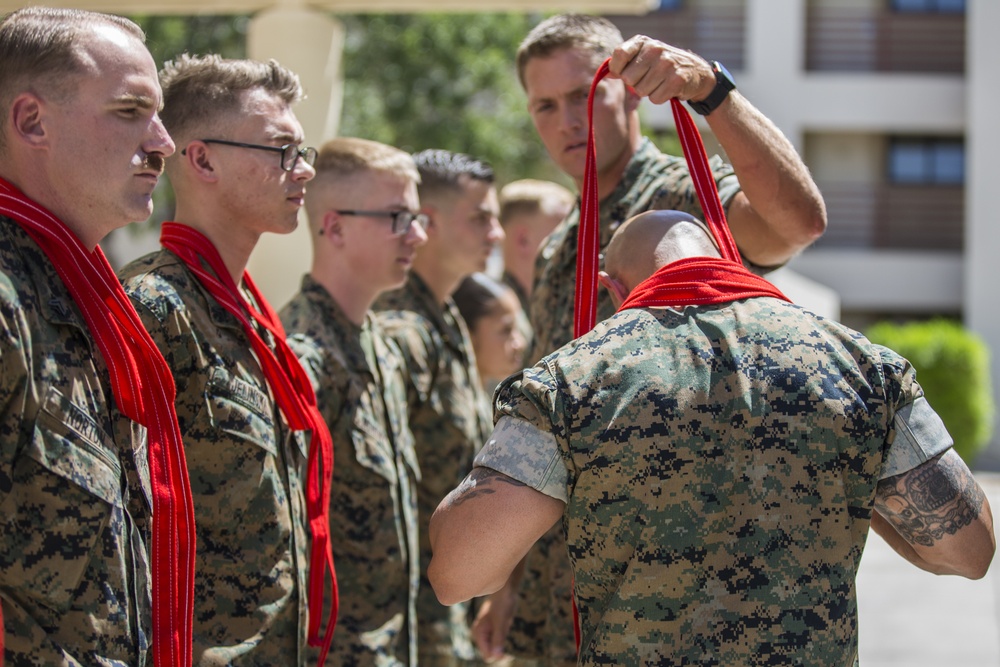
296	399
690	281
144	389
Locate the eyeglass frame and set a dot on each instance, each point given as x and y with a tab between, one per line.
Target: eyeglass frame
300	152
420	218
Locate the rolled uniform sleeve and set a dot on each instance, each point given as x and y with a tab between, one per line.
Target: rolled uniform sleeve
919	433
522	451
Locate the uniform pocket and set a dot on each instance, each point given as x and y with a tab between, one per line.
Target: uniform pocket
371	446
241	409
66	488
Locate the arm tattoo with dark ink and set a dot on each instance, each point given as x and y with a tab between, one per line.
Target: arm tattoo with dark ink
482	482
935	499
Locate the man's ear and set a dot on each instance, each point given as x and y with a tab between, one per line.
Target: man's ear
198	158
332	227
616	288
28	118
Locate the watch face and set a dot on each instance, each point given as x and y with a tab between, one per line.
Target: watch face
722	73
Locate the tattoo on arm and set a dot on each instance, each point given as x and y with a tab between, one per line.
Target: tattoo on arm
935	499
482	482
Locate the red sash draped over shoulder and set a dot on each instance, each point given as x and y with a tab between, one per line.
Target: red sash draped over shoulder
690	281
295	397
143	388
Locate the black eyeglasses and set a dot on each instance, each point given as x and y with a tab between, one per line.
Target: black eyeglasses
401	220
290	153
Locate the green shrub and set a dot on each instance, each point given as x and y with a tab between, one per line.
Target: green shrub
953	367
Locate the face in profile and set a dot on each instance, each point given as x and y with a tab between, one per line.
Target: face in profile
470	223
376	252
497	340
106	142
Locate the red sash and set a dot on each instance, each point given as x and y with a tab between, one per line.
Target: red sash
144	389
690	281
295	397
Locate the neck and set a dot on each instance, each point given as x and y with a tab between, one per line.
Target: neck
233	245
523	272
36	189
354	297
610	176
440	280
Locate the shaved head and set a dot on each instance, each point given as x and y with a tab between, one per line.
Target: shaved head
654	239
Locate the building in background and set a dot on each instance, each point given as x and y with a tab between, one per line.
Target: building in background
893	105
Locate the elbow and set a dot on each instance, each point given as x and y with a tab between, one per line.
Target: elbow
453	584
447	589
979	565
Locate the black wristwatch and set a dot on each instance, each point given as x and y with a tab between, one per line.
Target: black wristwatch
723	84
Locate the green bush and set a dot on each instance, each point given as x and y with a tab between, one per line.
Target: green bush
953	367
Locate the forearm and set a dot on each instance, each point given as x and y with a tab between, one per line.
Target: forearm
783	210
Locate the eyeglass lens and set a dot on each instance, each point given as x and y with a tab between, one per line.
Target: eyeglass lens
291	154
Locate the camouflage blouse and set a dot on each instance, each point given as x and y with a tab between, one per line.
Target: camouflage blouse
360	389
75	498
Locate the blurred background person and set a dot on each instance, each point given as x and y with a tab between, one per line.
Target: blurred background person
492	312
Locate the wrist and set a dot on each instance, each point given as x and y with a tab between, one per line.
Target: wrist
724	84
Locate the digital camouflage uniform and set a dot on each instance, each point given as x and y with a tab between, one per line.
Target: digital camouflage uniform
361	392
543	624
720	466
75	498
246	469
523	323
449	418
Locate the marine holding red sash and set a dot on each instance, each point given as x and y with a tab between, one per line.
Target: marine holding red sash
259	455
91	463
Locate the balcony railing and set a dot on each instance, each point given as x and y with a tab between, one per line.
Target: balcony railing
715	33
893	217
855	39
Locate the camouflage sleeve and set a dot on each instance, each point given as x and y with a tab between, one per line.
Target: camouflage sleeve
419	346
917	432
522	451
525	444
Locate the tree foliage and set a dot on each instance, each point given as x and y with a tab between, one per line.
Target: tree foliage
419	81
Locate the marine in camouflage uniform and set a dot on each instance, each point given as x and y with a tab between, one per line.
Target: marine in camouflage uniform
373	514
543	624
246	469
711	541
449	418
75	498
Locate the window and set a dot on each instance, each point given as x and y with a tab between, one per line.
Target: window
939	6
926	161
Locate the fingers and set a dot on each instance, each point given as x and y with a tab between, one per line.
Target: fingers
484	635
660	71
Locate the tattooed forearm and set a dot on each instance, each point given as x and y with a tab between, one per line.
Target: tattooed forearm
481	482
935	499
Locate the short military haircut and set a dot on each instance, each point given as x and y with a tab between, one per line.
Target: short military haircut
344	157
445	172
201	91
568	31
39	50
529	196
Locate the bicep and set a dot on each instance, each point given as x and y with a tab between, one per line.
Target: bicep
482	529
